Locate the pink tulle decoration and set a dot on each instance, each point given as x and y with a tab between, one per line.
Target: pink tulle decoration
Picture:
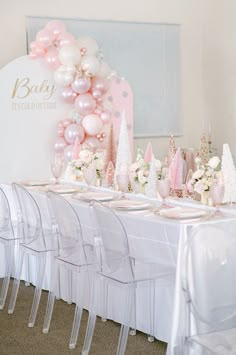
176	171
77	148
148	153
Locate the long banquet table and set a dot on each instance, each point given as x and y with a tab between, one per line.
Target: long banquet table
151	238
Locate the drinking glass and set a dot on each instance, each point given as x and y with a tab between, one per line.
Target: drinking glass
122	182
56	167
217	195
163	187
89	174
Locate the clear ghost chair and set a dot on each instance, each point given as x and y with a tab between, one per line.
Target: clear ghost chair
211	290
8	238
35	241
73	254
119	269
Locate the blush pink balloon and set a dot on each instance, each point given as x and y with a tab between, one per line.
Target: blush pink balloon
59	145
60	124
68	152
101	84
81	85
91	143
60	131
72	132
105	116
67	95
66	122
44	38
37	49
57	28
92	124
85	104
52	59
97	94
66	38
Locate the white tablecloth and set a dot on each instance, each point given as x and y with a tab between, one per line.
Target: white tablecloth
153	238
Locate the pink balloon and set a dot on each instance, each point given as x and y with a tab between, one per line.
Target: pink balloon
91	143
52	59
60	124
100	84
67	95
68	152
33	54
92	124
105	116
66	122
97	94
59	145
85	104
45	38
81	85
37	48
60	131
72	131
66	38
56	28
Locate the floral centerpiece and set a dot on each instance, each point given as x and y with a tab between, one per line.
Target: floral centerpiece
139	170
203	177
86	159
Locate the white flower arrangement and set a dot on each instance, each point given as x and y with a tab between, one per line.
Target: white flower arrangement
86	158
203	177
139	170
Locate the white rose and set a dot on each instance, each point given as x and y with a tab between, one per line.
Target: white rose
86	156
214	162
158	164
141	178
208	173
99	164
198	161
134	167
198	174
78	163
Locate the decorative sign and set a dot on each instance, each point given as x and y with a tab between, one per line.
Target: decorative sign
29	112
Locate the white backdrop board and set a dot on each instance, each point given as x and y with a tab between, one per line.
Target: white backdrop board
29	112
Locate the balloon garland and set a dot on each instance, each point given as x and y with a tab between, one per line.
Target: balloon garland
83	78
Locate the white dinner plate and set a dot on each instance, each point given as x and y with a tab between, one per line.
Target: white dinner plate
97	196
62	189
35	183
130	205
183	213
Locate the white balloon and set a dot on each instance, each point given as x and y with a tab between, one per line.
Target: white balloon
92	124
69	54
90	65
64	75
89	44
104	70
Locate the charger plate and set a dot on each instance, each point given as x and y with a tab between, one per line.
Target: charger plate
130	205
35	183
183	213
97	196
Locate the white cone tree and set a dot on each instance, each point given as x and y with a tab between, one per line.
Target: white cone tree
123	157
229	175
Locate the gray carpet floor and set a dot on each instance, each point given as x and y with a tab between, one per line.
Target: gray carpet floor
17	339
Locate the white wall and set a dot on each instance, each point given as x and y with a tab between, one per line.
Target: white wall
219	71
189	13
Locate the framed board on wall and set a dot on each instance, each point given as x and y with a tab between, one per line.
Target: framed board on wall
147	55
